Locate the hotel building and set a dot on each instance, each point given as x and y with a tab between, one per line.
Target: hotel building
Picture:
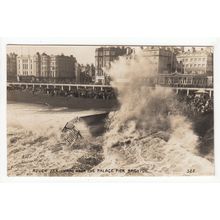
197	61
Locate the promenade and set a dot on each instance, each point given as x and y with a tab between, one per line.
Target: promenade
69	87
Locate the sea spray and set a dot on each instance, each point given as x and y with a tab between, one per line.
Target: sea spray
149	132
149	135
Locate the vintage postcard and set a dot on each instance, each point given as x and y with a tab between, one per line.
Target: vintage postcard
110	110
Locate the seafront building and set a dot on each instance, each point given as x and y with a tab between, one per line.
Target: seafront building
28	66
63	67
197	61
45	65
162	59
104	56
173	65
85	74
11	67
47	68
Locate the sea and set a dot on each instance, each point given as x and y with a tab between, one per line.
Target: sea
148	135
35	142
36	146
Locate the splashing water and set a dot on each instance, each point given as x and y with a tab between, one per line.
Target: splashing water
35	143
149	133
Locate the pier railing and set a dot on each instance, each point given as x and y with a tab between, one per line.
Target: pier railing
92	86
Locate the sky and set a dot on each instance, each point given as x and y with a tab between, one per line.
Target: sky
83	54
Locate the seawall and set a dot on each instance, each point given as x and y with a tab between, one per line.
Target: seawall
62	101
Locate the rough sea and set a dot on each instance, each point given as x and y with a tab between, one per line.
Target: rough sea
147	136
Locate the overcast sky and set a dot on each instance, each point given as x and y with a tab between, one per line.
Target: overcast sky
83	54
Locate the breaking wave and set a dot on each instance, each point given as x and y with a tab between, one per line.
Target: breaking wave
36	146
149	134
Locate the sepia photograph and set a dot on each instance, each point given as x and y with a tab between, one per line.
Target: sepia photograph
110	110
